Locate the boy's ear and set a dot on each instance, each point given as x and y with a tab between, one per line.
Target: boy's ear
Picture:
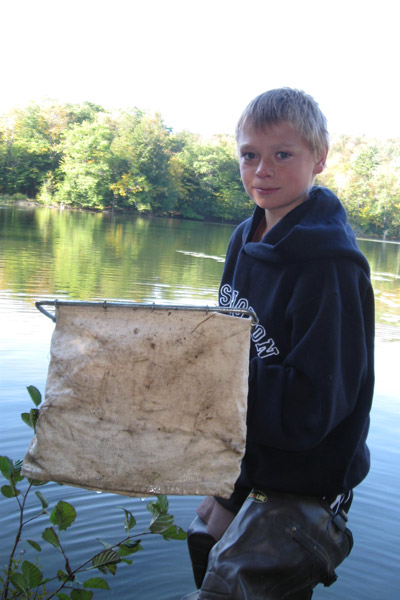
321	161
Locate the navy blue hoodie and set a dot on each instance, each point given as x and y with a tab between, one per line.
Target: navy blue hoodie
311	363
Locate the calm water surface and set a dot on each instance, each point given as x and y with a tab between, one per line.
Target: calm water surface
47	254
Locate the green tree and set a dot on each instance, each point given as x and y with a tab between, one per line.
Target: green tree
86	165
142	145
78	113
364	174
385	210
3	159
213	172
28	151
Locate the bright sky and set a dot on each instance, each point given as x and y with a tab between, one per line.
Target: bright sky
199	62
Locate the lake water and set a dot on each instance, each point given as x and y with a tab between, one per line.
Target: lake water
47	254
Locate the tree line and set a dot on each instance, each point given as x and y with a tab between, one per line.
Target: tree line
84	156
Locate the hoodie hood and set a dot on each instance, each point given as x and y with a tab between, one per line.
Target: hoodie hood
315	229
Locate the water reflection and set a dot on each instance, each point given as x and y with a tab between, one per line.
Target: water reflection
89	256
384	259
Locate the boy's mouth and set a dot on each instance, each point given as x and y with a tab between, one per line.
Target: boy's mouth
265	191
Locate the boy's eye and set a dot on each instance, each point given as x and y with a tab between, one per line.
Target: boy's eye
283	155
248	155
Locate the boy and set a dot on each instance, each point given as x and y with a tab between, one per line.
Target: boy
296	263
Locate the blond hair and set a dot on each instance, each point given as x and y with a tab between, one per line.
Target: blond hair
295	107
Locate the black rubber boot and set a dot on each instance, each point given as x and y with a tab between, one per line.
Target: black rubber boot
199	543
278	547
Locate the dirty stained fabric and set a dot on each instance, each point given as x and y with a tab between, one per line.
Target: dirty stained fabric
142	402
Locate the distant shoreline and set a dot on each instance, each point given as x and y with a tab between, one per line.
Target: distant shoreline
28	203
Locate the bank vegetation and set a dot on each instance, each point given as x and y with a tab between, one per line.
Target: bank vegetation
84	156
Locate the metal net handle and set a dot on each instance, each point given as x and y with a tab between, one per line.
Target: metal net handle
237	312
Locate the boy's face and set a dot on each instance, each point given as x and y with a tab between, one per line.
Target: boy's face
277	167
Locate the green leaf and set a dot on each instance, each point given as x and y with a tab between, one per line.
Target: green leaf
63	515
31	418
129	548
18	581
127	561
107	557
35	395
130	520
159	506
153	507
37	483
9	492
163	502
161	523
62	575
32	574
174	533
11	470
49	535
112	568
6	467
26	417
123	550
97	583
134	546
43	500
109	568
17	466
78	594
34	415
62	596
34	545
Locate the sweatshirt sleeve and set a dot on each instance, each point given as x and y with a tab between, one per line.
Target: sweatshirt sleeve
294	404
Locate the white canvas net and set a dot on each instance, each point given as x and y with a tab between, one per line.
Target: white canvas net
142	402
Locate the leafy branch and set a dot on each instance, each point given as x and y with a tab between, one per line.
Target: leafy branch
27	580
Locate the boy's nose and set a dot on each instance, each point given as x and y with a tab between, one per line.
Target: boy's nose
264	169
